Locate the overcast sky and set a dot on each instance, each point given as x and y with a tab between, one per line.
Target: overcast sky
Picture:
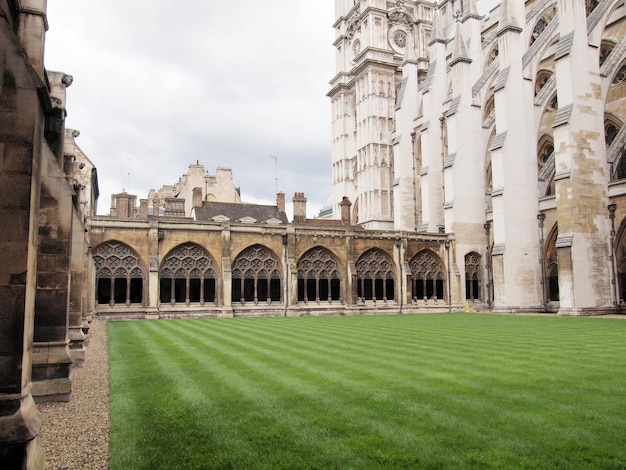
160	84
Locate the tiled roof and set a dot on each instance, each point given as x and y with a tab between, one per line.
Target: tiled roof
237	211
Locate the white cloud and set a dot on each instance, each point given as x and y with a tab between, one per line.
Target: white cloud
161	84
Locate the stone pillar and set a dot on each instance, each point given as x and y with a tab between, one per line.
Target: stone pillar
21	143
79	279
580	158
227	278
516	270
51	354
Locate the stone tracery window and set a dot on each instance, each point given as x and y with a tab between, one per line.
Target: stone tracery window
472	276
319	276
187	275
427	276
545	163
620	77
542	78
551	266
119	275
399	38
540	26
543	22
605	50
492	56
375	276
256	276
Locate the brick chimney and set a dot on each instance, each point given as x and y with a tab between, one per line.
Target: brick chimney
197	198
299	208
143	208
280	202
345	210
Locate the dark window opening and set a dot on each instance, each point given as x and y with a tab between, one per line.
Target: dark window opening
335	292
236	289
136	290
180	290
166	290
120	290
262	290
300	290
275	290
194	290
104	290
248	290
323	289
209	290
311	289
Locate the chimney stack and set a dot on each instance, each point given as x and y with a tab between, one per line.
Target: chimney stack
345	210
197	198
299	208
143	208
280	202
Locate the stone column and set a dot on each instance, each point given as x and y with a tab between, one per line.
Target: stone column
21	142
581	171
51	354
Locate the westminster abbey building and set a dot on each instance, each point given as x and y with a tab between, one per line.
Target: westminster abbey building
478	164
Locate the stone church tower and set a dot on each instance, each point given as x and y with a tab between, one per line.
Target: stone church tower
504	129
373	39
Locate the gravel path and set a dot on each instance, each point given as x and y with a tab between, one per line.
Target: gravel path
75	435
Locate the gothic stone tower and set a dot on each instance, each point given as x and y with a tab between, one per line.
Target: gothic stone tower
372	41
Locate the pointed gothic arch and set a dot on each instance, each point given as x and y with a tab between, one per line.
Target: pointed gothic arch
620	258
551	266
188	276
489	171
542	23
376	278
120	276
256	276
319	276
427	276
473	276
546	166
541	80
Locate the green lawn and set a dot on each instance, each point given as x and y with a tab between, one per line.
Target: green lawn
403	391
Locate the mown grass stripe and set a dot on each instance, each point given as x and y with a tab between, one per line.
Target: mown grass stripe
400	392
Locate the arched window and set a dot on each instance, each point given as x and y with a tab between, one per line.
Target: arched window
492	56
489	110
427	276
605	50
551	266
545	162
256	276
187	276
472	276
620	256
620	76
542	24
375	276
612	126
553	104
119	276
319	277
620	169
542	78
